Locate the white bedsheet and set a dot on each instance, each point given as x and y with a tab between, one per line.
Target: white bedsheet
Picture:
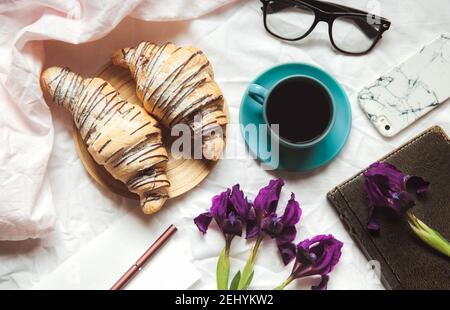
239	49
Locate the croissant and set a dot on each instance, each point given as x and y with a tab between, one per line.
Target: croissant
118	134
176	85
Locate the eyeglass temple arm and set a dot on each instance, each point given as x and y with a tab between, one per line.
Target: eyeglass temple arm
368	30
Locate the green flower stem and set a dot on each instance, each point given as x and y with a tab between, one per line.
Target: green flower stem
284	284
247	272
223	265
428	235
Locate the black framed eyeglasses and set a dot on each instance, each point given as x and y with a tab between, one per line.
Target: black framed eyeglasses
351	31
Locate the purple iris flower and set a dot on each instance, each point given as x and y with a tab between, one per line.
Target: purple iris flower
229	209
263	220
386	186
316	256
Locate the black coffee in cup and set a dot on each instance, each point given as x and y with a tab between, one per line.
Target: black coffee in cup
301	107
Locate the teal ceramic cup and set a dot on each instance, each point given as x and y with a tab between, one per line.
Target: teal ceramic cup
262	97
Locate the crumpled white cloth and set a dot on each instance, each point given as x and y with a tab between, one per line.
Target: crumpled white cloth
239	49
26	131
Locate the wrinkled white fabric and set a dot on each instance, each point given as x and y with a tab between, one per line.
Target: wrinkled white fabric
26	208
239	49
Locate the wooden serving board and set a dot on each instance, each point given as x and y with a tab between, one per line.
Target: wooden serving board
183	174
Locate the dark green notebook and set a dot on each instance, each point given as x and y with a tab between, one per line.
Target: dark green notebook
406	262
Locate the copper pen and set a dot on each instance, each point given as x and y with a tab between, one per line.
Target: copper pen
134	269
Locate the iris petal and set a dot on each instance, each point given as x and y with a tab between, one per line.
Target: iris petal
232	225
239	202
402	201
268	196
416	184
219	206
202	221
287	252
393	176
252	230
373	223
323	283
272	225
287	234
304	257
292	213
376	188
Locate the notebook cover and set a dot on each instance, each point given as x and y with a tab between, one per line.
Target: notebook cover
405	261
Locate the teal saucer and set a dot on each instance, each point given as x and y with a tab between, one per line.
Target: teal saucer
289	159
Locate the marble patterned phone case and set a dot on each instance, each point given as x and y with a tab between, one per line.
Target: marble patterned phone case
410	90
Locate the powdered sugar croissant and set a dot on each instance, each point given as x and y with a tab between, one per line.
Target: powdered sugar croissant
118	134
176	85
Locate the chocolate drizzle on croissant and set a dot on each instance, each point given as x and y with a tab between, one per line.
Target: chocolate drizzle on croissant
118	134
176	85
